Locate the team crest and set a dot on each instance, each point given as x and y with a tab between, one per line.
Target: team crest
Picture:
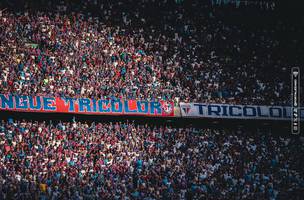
167	107
186	108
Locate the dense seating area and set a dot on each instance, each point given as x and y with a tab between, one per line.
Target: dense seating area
187	51
124	160
172	50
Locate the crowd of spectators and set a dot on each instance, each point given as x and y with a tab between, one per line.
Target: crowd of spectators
179	50
124	160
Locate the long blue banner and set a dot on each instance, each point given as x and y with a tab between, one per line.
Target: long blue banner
86	106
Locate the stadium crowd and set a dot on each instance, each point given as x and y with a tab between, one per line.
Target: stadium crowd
124	160
176	50
186	51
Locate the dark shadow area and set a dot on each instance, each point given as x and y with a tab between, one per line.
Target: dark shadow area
276	127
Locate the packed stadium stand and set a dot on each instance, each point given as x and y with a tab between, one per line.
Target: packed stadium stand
143	51
149	50
127	161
